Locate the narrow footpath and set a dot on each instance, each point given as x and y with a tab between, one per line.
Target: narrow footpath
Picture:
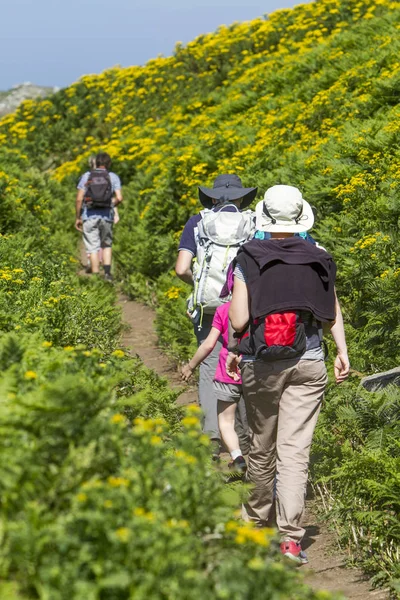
327	567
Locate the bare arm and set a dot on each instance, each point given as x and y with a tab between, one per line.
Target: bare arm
239	313
202	352
117	197
183	267
342	363
78	209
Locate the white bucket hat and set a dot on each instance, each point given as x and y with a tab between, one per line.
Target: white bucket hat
284	210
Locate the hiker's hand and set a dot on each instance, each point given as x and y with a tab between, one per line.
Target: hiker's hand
341	367
78	224
186	372
232	366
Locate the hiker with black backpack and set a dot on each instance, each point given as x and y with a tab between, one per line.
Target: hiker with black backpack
209	242
284	290
92	166
99	192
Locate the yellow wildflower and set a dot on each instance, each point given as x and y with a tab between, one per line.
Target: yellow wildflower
141	512
118	481
185	457
193	409
123	534
190	422
30	375
155	440
117	419
173	293
118	353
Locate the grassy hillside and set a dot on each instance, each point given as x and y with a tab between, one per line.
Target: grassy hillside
307	97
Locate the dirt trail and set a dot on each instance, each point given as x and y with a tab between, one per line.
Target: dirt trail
326	569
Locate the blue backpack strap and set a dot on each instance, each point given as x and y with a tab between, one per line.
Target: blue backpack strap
306	236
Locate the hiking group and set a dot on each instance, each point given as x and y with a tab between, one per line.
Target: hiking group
263	295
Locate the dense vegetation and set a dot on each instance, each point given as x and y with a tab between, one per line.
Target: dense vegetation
308	97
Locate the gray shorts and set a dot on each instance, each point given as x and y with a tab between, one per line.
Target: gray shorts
97	233
227	392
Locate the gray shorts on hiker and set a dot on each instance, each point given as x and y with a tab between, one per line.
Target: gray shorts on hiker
97	233
227	392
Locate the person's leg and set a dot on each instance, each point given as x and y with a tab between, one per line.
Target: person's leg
107	256
242	426
226	422
88	268
106	237
262	388
298	413
207	398
91	239
228	395
94	262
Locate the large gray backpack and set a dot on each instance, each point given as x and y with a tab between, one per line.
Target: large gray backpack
219	237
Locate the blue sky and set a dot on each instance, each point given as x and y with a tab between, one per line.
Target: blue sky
54	42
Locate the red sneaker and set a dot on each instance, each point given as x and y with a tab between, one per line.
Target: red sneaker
293	551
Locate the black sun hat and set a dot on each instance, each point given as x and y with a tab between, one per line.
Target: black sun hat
227	188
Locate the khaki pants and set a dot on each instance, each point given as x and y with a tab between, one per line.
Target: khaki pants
283	400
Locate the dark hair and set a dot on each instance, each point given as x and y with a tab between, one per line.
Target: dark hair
103	160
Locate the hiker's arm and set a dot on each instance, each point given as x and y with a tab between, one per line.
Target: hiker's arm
78	209
342	363
202	352
183	267
239	313
117	197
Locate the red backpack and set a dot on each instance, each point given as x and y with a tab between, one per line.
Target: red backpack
278	336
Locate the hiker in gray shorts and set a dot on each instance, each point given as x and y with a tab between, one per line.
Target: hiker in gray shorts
92	166
99	191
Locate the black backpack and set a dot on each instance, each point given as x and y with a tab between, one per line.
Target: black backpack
99	191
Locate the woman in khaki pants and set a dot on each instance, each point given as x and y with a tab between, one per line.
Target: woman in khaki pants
283	293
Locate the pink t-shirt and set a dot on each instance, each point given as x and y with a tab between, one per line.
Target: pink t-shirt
221	321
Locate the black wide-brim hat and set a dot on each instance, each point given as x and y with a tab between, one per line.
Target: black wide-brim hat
227	188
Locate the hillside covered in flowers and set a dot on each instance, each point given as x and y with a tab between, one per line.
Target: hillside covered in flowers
307	97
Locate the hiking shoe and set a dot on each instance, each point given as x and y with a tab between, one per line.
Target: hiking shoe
293	551
88	269
238	468
108	277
